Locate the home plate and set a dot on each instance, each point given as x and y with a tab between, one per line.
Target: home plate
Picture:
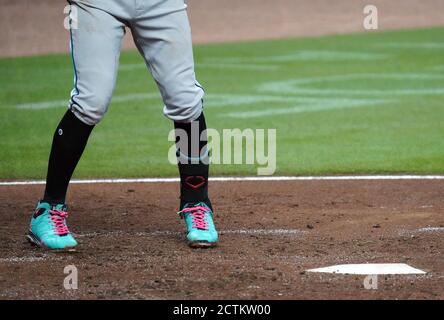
370	269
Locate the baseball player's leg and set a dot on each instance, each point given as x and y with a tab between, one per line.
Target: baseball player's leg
164	39
95	48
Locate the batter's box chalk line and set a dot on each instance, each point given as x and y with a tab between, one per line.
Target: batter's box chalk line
429	229
268	232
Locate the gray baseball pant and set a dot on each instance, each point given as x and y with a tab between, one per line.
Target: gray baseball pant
161	32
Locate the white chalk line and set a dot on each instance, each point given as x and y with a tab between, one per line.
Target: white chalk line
306	55
438	68
222	100
235	179
298	86
313	106
212	100
64	103
266	232
28	259
215	100
242	66
301	87
412	45
429	229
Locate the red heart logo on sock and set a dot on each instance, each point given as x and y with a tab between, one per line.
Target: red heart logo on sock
195	182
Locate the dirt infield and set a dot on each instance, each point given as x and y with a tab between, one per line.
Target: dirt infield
29	29
132	243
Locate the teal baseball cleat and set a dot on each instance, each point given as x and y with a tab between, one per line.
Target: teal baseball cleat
200	226
48	228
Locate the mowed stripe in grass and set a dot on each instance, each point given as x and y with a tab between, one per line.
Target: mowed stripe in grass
363	103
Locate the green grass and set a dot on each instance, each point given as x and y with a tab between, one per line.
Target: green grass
392	80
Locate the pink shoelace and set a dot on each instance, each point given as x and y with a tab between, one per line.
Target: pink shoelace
198	217
58	218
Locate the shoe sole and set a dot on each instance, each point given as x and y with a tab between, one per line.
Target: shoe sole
202	244
34	241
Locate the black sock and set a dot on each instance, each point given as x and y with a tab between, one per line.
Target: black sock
69	141
193	173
